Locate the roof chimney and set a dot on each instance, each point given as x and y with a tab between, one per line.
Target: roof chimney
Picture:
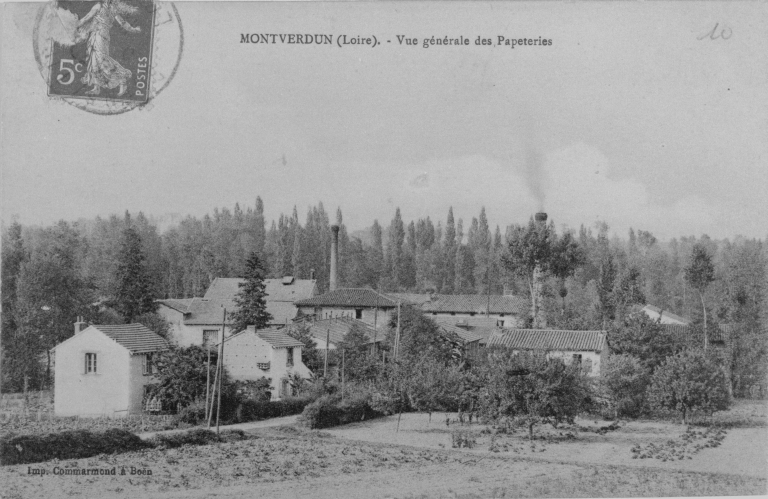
540	217
312	274
334	257
80	324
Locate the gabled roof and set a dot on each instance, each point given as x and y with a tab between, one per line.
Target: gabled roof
549	339
180	305
137	338
665	314
349	297
278	339
274	336
479	304
337	328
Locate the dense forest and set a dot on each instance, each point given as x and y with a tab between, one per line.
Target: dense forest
51	275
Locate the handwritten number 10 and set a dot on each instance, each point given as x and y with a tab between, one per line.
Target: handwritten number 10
725	33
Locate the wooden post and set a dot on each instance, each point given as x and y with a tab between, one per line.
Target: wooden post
342	373
213	395
327	347
397	332
207	379
221	367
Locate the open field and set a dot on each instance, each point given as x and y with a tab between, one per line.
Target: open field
742	451
370	459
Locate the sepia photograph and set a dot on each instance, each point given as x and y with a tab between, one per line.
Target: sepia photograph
397	249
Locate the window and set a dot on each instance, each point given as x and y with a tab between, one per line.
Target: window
289	362
149	365
358	313
210	337
577	358
90	363
500	323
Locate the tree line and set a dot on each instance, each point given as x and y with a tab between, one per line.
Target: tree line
51	275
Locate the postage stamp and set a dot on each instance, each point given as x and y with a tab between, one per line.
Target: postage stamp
107	56
104	51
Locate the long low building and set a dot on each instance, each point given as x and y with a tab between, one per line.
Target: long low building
587	348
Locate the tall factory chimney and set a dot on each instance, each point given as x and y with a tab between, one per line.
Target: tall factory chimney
537	305
334	257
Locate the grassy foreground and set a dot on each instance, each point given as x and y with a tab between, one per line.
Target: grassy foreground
290	462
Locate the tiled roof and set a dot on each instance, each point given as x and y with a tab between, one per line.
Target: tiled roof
278	339
180	305
549	339
483	327
412	298
337	328
349	297
499	304
466	335
691	336
137	338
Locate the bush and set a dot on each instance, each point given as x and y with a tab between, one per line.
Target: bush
67	445
193	414
331	410
197	436
256	410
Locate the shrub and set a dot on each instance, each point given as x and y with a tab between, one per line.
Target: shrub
689	381
198	436
331	410
67	445
255	410
193	414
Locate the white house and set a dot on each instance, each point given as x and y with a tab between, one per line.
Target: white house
102	370
268	353
588	348
197	321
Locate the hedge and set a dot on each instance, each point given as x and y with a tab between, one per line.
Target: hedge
68	445
253	410
331	410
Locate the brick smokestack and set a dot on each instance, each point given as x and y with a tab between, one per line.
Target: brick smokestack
334	257
537	306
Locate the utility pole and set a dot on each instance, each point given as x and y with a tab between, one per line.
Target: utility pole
207	378
327	347
342	373
221	367
397	332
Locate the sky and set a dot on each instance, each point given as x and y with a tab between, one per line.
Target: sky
634	116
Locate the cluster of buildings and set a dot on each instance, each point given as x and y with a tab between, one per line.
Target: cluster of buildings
103	370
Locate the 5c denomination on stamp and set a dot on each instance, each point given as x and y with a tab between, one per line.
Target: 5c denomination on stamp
107	56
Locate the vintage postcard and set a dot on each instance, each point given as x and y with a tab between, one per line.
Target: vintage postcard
383	249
